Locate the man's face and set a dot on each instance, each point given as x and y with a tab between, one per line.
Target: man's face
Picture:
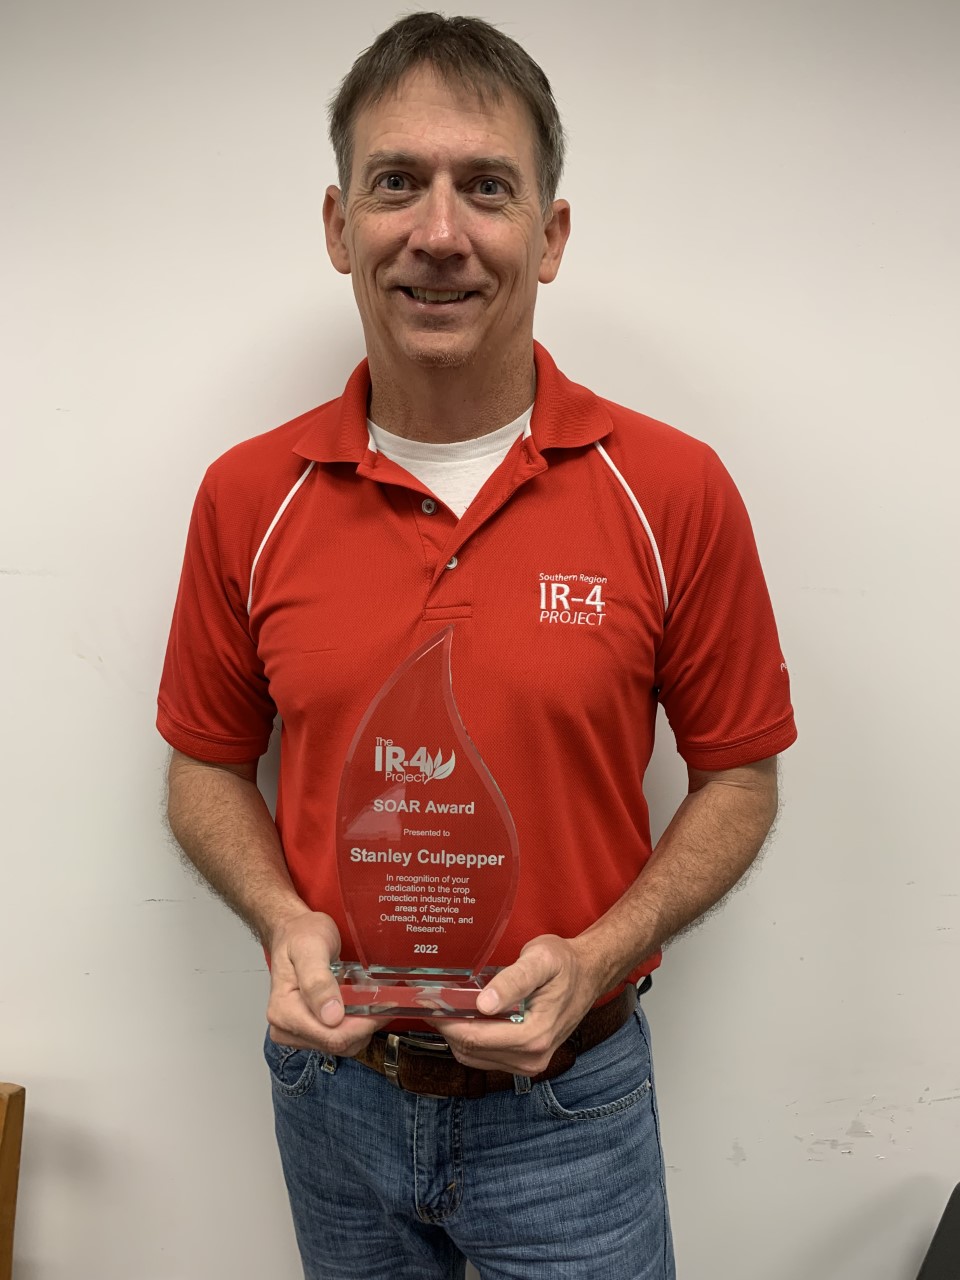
442	230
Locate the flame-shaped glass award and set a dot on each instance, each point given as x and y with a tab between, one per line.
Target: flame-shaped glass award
427	851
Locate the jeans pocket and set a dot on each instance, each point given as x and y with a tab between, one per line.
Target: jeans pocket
292	1070
608	1078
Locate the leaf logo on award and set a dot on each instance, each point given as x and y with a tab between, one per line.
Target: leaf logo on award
427	851
421	766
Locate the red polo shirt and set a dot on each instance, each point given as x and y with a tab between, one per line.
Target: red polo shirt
606	565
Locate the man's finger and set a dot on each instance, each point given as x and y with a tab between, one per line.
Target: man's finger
346	1041
291	1023
501	1046
531	970
310	958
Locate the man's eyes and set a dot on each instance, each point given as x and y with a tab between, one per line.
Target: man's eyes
401	183
490	187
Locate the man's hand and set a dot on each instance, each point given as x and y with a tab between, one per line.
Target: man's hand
560	981
305	1008
711	841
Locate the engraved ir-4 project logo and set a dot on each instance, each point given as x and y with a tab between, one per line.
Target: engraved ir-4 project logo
396	766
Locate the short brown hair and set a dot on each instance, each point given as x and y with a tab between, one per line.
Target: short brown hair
467	51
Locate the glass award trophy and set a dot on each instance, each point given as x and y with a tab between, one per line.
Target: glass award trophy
427	851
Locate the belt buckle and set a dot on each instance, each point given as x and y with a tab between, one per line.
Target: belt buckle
435	1044
391	1059
391	1052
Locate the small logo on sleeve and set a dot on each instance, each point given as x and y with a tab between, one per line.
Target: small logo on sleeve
572	599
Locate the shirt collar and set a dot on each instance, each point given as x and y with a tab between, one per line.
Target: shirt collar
565	416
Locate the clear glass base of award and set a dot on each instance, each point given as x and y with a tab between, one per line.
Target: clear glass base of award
427	851
417	993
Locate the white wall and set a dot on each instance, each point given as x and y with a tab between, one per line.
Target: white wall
764	253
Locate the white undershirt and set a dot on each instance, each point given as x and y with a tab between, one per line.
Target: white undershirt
455	473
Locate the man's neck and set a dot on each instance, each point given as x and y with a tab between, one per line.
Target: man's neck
442	406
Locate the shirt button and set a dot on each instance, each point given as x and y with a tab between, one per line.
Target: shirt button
452	562
428	506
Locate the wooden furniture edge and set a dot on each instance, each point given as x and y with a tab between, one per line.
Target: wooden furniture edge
12	1098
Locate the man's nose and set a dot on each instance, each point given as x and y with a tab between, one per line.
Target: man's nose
440	223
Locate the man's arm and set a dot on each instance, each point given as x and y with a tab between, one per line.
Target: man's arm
713	838
222	824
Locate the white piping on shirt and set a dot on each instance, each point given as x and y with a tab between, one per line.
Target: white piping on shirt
643	520
273	524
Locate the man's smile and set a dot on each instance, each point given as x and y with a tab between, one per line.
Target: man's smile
436	295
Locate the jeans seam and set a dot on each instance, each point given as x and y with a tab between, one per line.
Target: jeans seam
305	1079
425	1215
661	1174
457	1153
553	1107
663	1184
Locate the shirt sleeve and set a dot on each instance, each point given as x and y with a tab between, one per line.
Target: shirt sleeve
721	676
214	702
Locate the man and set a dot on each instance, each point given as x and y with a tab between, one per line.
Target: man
592	562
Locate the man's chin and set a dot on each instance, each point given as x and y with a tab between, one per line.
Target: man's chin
440	355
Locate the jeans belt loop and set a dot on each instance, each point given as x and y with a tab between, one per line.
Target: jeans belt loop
391	1059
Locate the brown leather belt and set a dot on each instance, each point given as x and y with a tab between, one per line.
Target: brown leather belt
425	1064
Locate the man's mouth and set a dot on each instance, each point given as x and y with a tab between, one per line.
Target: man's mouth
436	295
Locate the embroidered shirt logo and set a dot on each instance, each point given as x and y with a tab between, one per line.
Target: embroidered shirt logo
572	599
396	766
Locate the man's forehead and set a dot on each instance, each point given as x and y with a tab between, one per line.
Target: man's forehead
424	100
427	80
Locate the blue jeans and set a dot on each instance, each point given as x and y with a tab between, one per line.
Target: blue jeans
553	1181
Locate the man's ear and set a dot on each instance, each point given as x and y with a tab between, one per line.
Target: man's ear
556	231
333	225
